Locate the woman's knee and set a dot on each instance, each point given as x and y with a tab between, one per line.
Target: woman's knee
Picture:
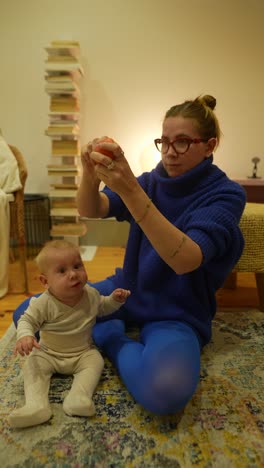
169	370
168	390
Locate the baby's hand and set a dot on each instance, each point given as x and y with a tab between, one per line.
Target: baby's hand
25	345
121	295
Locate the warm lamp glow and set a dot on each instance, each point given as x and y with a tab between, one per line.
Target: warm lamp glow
149	158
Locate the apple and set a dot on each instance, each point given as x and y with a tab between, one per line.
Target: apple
103	150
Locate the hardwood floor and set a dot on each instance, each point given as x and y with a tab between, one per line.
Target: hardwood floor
103	264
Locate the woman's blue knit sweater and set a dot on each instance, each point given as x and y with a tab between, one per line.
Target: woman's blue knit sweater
206	205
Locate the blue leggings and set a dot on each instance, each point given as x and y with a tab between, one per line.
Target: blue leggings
161	370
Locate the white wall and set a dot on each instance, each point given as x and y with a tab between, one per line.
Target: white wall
140	57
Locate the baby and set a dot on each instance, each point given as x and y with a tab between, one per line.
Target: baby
64	314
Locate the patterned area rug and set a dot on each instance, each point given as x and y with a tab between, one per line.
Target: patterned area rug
223	426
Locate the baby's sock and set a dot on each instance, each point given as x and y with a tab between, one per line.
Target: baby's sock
29	416
78	405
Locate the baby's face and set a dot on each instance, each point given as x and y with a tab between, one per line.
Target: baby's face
65	274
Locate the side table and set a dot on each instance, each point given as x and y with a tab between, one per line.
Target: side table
254	189
255	194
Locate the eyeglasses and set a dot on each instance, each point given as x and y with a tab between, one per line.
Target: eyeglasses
180	145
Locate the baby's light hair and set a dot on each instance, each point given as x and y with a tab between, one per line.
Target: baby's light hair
59	244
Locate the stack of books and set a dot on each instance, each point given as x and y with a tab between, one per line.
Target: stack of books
63	72
64	128
65	147
64	104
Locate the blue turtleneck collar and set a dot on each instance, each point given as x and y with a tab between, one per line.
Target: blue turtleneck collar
182	184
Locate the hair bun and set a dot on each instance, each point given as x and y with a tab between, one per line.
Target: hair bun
209	101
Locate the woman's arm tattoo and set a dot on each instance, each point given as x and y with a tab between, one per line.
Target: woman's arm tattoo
176	251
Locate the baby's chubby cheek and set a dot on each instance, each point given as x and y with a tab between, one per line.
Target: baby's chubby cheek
105	151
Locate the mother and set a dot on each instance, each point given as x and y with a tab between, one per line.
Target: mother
184	240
